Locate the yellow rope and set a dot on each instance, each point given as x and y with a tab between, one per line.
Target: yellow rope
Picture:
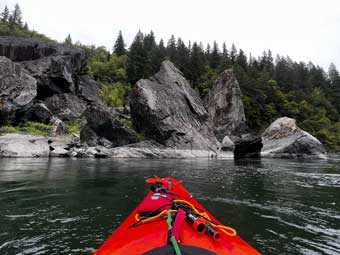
225	229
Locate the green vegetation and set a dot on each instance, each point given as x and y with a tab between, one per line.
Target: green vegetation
11	24
73	126
271	88
32	128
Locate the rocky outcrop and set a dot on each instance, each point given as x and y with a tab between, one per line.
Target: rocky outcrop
284	139
40	113
103	129
225	106
53	74
17	87
66	106
166	109
247	146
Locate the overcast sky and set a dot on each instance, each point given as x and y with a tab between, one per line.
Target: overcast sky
306	30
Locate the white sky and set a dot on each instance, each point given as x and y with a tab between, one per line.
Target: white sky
306	30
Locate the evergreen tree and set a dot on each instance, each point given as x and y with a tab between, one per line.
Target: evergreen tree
215	57
17	15
152	60
333	73
233	54
197	64
5	14
171	48
241	60
68	40
119	46
26	26
137	59
182	57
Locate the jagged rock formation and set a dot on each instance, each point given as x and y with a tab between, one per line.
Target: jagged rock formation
166	109
103	129
225	106
53	74
17	87
284	139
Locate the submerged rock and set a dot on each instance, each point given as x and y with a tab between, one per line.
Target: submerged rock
166	109
284	139
225	106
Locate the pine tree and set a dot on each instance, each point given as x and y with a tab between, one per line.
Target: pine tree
137	59
17	15
333	73
233	54
119	47
5	14
241	60
68	40
171	48
26	26
215	57
152	60
197	64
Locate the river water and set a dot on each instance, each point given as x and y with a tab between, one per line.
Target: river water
70	206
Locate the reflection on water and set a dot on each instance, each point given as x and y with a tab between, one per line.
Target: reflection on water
70	206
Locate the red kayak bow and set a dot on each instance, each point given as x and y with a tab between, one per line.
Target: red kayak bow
169	221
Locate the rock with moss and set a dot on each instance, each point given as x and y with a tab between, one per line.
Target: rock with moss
284	139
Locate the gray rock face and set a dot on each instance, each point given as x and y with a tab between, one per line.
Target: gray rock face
166	109
227	144
284	139
17	145
40	113
65	106
17	87
43	71
103	129
225	106
88	89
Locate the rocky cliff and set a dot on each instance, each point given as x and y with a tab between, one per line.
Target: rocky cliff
34	72
166	109
225	106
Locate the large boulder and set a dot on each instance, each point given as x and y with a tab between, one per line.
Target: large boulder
66	106
17	87
103	129
166	109
88	89
225	106
284	139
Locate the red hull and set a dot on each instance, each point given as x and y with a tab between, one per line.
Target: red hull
141	239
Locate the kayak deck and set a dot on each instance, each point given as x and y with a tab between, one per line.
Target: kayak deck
139	234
